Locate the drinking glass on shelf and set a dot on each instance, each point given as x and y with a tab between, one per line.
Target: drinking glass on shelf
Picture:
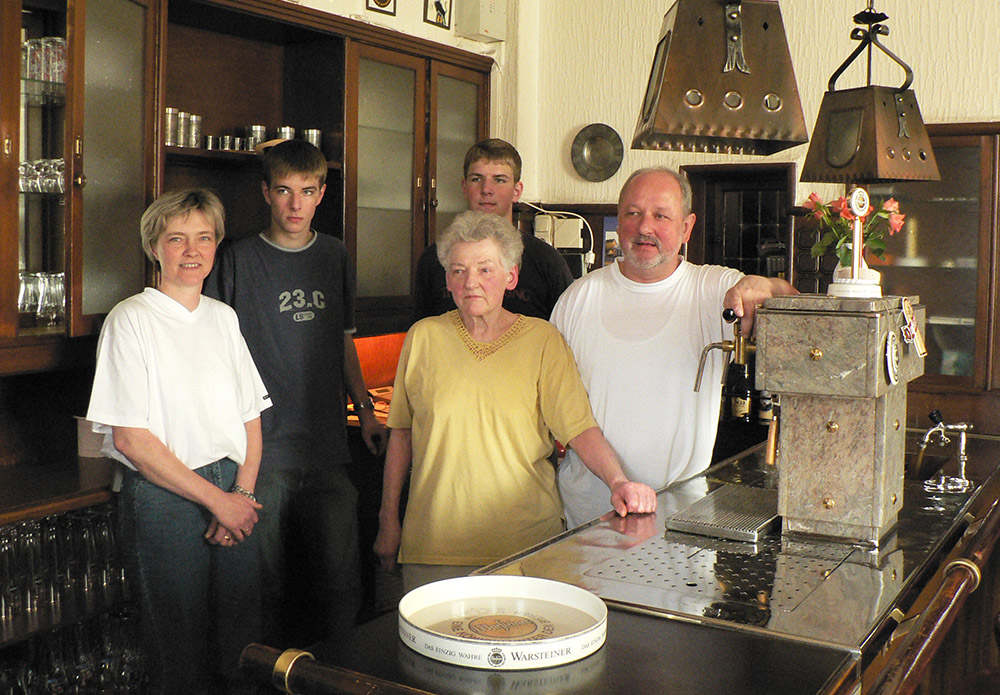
30	542
50	174
27	300
52	299
9	586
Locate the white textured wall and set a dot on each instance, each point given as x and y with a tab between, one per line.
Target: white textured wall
569	63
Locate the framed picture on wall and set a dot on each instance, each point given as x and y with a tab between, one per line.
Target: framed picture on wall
383	6
438	13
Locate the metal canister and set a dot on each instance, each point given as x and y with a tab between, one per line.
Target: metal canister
194	131
211	142
170	126
183	127
256	134
226	142
314	136
286	132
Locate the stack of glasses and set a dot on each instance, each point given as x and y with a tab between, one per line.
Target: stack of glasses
57	568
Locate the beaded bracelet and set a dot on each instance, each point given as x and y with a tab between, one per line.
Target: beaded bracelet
243	491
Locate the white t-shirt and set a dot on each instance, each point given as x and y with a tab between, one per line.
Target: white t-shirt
186	376
637	346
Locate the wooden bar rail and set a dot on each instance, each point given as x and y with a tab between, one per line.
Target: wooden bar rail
960	578
299	673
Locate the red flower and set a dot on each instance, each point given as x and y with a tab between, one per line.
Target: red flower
837	221
843	208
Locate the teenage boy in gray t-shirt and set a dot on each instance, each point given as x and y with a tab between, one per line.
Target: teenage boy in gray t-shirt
293	290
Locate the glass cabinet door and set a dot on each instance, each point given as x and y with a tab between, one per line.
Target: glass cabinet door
457	101
80	92
111	266
938	255
390	149
42	176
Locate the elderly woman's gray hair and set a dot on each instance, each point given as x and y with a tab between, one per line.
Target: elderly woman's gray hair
476	226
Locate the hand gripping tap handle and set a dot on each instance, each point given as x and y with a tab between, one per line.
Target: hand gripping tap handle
729	347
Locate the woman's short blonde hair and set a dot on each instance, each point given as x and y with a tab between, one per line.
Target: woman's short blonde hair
474	225
174	203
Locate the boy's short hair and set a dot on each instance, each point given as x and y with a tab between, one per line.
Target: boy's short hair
293	157
494	150
154	220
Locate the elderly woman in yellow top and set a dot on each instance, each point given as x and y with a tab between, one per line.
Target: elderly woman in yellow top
479	394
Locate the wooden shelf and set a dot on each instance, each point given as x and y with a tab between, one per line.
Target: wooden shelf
33	491
239	158
68	610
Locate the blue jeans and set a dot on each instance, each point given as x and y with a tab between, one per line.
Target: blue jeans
308	534
199	603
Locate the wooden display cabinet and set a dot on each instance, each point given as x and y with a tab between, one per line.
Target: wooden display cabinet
73	171
947	254
238	69
388	142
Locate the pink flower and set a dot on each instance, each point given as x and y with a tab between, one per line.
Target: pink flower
895	221
814	203
891	205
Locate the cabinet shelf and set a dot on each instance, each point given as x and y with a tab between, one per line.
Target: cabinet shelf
43	93
67	612
233	158
963	321
32	491
962	263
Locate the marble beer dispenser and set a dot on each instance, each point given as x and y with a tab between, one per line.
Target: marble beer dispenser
839	367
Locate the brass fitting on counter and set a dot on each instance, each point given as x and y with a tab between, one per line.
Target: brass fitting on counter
739	348
283	666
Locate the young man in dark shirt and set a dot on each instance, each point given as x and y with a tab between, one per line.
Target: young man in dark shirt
493	184
293	290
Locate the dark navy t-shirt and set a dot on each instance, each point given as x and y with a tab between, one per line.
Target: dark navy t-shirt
294	306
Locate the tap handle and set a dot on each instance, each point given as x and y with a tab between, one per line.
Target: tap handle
935	416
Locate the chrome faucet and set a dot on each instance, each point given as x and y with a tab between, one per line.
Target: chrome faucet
943	483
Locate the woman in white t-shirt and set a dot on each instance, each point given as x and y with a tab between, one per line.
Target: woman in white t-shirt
178	399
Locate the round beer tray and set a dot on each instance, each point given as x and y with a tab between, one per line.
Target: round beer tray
502	622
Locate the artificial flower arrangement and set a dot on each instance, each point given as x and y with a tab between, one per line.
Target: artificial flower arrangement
837	222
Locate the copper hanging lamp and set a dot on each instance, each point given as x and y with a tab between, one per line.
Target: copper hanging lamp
871	133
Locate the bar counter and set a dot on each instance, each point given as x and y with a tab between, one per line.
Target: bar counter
692	613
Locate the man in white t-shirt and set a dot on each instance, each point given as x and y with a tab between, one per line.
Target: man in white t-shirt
637	328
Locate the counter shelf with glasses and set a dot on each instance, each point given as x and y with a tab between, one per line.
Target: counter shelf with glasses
713	615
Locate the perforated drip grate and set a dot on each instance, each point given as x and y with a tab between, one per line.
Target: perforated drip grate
713	572
737	512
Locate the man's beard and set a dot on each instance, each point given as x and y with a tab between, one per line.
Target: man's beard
632	256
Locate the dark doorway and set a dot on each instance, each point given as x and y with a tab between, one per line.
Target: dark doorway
743	216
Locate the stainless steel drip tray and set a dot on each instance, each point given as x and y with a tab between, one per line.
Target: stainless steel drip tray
739	581
735	512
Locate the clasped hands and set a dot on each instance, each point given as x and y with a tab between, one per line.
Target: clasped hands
233	522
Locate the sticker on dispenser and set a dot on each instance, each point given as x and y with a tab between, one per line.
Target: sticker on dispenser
911	331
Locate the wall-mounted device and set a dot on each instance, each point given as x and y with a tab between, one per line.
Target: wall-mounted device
561	232
564	231
482	20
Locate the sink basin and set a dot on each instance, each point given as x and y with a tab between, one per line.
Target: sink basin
924	465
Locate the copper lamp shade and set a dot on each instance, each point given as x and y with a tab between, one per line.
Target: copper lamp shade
870	133
721	81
